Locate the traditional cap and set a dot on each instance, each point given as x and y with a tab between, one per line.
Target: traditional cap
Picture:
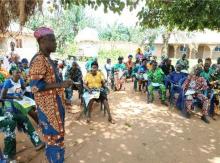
42	31
13	68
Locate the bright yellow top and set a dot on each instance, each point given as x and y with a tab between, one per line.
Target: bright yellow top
149	66
4	72
94	81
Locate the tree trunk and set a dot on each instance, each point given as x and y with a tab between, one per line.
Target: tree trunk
165	48
22	14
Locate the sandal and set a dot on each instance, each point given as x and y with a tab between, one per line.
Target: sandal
111	121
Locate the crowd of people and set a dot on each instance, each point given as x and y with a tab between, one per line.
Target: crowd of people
43	89
186	89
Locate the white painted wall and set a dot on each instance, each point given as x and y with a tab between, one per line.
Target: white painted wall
28	50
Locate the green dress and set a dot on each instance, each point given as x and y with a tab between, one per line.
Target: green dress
119	66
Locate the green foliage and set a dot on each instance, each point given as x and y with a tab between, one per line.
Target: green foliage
113	54
70	49
182	14
66	25
120	32
115	32
114	5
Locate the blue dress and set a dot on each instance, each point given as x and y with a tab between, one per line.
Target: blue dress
50	105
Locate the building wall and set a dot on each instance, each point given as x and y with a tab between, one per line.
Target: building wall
180	53
28	50
203	51
171	51
125	46
206	52
215	55
157	50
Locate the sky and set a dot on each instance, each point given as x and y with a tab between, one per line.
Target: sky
126	17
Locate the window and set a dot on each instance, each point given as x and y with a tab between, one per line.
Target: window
18	43
183	49
217	48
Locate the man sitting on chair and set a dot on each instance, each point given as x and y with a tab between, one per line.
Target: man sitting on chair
176	76
156	77
94	84
193	87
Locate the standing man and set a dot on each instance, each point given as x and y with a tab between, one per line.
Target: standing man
49	94
8	58
108	68
183	62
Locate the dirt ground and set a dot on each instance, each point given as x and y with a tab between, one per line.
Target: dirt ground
143	133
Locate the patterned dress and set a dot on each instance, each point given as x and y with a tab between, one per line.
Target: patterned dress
50	105
197	84
11	116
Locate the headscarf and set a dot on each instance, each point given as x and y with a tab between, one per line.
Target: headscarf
42	31
13	68
139	50
24	61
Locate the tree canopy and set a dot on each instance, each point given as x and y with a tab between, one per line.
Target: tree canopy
74	19
22	10
181	14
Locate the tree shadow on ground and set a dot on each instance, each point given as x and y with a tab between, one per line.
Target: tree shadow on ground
143	133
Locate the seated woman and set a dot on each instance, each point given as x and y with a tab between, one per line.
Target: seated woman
13	89
140	74
93	83
3	72
193	87
8	126
120	73
26	78
9	119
